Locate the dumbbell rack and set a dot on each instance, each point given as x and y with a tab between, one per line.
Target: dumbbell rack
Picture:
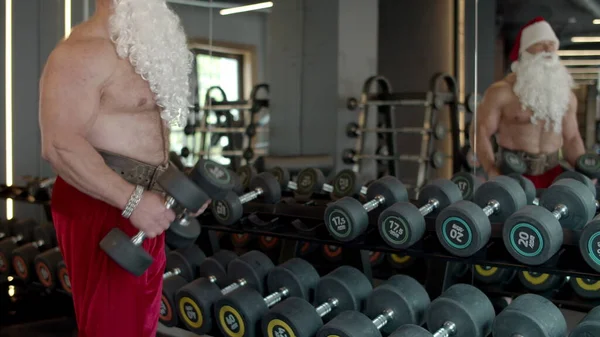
20	194
241	139
385	101
298	222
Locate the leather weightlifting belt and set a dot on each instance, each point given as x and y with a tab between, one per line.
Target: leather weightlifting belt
537	164
133	171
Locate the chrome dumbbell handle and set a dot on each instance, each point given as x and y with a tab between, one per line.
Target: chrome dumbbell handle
251	195
429	207
383	319
276	297
492	207
237	284
560	211
326	307
371	205
175	271
448	330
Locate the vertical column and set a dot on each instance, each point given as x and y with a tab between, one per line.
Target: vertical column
285	69
416	41
486	46
3	97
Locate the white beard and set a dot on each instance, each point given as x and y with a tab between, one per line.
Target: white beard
544	86
150	35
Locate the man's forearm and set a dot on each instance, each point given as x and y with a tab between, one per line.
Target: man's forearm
485	155
79	164
572	149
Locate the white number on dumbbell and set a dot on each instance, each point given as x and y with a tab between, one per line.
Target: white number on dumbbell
395	229
21	267
190	313
221	209
456	233
230	320
279	332
217	172
344	183
44	273
306	181
163	308
590	161
526	240
339	222
462	186
67	281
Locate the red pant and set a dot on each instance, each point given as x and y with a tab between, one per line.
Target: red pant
108	300
544	180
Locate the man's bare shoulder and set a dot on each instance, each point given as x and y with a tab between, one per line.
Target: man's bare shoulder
500	92
90	57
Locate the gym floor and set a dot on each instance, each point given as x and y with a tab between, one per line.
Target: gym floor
65	327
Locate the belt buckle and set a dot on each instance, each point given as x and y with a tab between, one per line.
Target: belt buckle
536	164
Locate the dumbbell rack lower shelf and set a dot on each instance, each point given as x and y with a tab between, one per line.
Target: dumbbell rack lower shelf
305	223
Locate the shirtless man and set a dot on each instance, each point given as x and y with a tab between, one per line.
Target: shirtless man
531	112
108	94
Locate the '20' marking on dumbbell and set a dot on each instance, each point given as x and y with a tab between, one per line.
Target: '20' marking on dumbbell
526	240
594	247
338	222
457	233
395	230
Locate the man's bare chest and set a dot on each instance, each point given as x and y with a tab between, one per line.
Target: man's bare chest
128	92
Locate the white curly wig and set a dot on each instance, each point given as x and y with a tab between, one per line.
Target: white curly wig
151	36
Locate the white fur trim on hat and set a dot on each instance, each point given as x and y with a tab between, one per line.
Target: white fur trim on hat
539	31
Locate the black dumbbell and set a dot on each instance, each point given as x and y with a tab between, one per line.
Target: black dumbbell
6	228
400	300
46	267
403	224
284	178
493	275
239	312
510	162
533	234
540	282
230	208
461	311
589	325
195	300
311	180
23	258
21	231
586	288
63	277
345	288
181	193
348	183
238	185
465	227
532	316
589	243
347	218
246	173
579	177
468	184
528	188
588	164
182	267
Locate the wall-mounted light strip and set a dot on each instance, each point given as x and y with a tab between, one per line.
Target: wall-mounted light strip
247	8
585	39
596	21
586	76
67	18
578	53
581	62
591	70
8	109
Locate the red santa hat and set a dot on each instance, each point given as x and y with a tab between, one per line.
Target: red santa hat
533	32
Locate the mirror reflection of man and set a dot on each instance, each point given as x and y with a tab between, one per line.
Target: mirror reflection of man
532	111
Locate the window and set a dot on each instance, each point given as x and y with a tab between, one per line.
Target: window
229	68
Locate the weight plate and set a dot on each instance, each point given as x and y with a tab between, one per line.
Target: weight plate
463	228
532	235
579	200
467	183
589	164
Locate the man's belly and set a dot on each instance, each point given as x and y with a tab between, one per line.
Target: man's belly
529	139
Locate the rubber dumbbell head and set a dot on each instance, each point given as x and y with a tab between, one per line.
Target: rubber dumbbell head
229	209
212	178
195	300
465	227
468	184
239	312
528	188
589	243
128	252
585	288
347	218
403	224
462	309
579	177
532	316
311	180
588	164
540	282
246	174
493	275
46	267
345	288
238	186
534	234
400	300
510	162
348	183
589	325
284	178
63	277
